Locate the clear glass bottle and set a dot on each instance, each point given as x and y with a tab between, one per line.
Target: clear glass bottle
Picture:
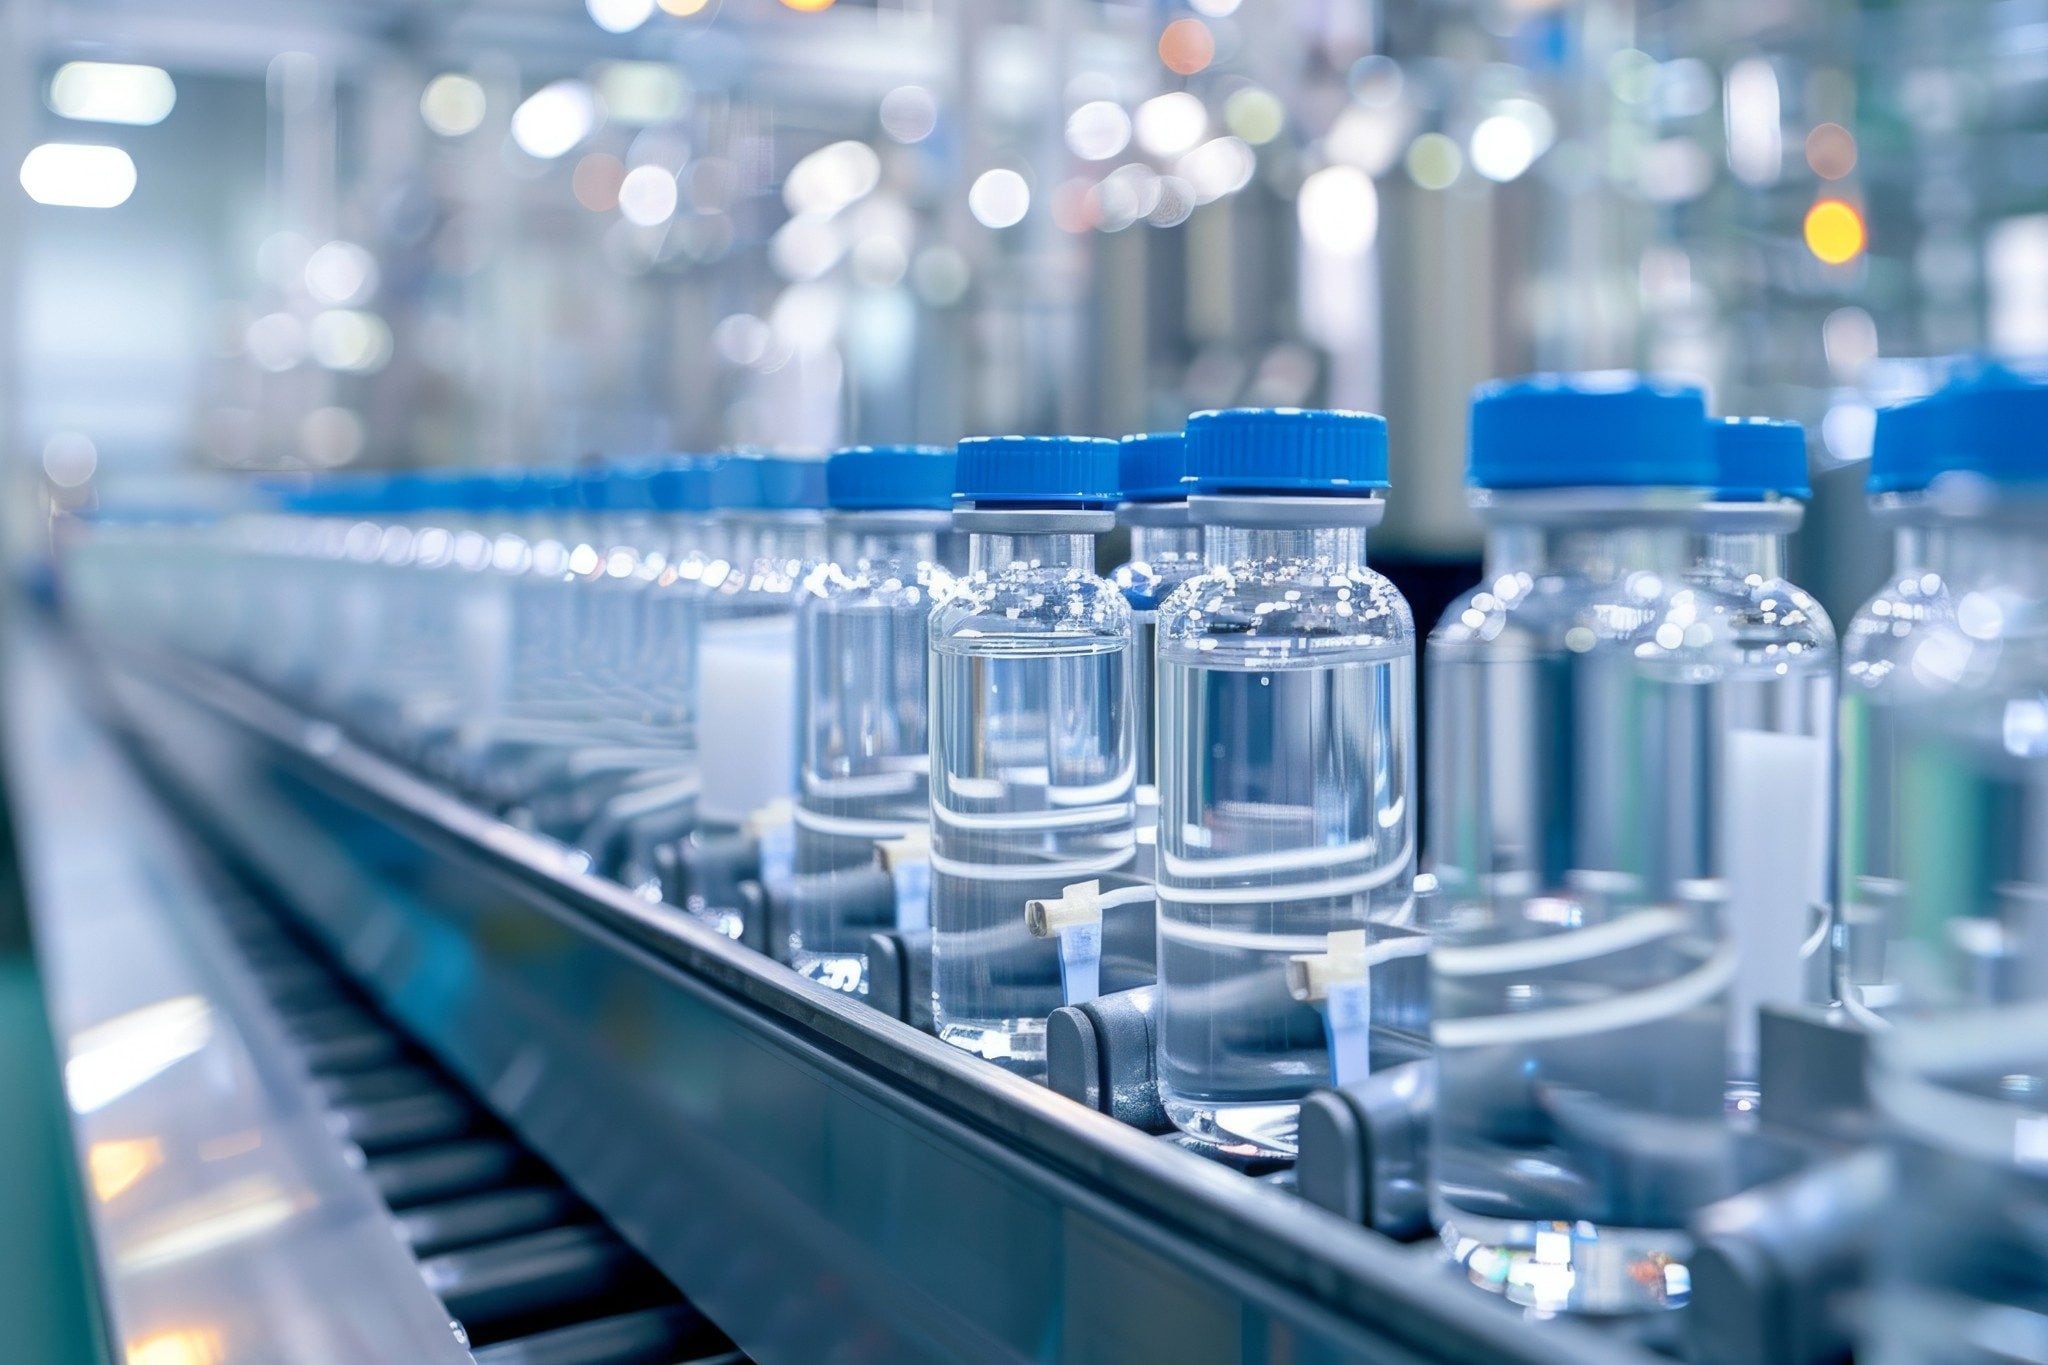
1879	650
1579	965
1962	1075
1286	771
746	692
863	683
1776	723
1033	746
1166	551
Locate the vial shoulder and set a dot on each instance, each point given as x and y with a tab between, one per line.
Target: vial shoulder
1288	602
1027	602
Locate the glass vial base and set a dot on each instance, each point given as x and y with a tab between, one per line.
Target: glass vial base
1016	1045
1268	1128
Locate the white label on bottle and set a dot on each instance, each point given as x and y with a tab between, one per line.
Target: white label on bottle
1347	1016
746	718
1775	849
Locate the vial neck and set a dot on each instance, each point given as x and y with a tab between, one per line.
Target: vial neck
1338	547
994	551
849	545
1746	554
1597	552
1165	544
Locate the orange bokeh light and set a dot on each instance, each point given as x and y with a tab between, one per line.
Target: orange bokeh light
1831	151
1834	231
1186	46
807	6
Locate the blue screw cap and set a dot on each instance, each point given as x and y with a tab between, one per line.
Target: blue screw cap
876	478
1288	451
1613	428
790	483
1758	457
1987	420
1152	466
1037	471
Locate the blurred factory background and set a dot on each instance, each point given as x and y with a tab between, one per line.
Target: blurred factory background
388	232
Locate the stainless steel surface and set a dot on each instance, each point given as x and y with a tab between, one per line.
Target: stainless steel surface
819	1179
227	1222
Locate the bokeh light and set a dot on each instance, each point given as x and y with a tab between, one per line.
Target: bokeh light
1098	130
78	175
112	92
340	272
452	104
1434	161
553	119
999	198
831	178
1170	124
1831	151
909	113
683	9
808	6
1255	115
70	458
647	196
1187	46
1338	209
1834	231
1502	147
596	181
619	16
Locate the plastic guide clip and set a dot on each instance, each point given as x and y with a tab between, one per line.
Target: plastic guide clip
773	830
1339	981
1076	920
908	861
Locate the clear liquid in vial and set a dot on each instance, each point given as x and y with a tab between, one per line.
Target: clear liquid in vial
1032	791
1290	820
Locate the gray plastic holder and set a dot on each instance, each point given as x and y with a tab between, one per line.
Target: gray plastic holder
1103	1054
900	975
1779	1269
1364	1149
1811	1072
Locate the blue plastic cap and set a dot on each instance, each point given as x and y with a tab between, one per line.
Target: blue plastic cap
1293	451
1758	457
1037	471
1604	429
874	478
790	483
1152	466
617	487
1990	420
688	483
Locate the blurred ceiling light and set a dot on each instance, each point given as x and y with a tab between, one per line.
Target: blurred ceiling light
554	119
452	104
1846	430
619	16
276	342
1673	170
806	317
808	6
1098	130
1831	151
1834	231
1127	194
78	175
879	261
1218	167
1255	115
340	272
940	276
116	1165
804	248
70	458
1186	46
1375	81
1756	136
1171	124
1434	161
909	113
1502	148
329	437
179	1346
1368	138
111	1059
639	93
1339	210
1215	9
1632	75
349	340
741	338
831	178
1685	88
647	196
596	180
1849	337
683	9
999	198
1176	203
112	92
